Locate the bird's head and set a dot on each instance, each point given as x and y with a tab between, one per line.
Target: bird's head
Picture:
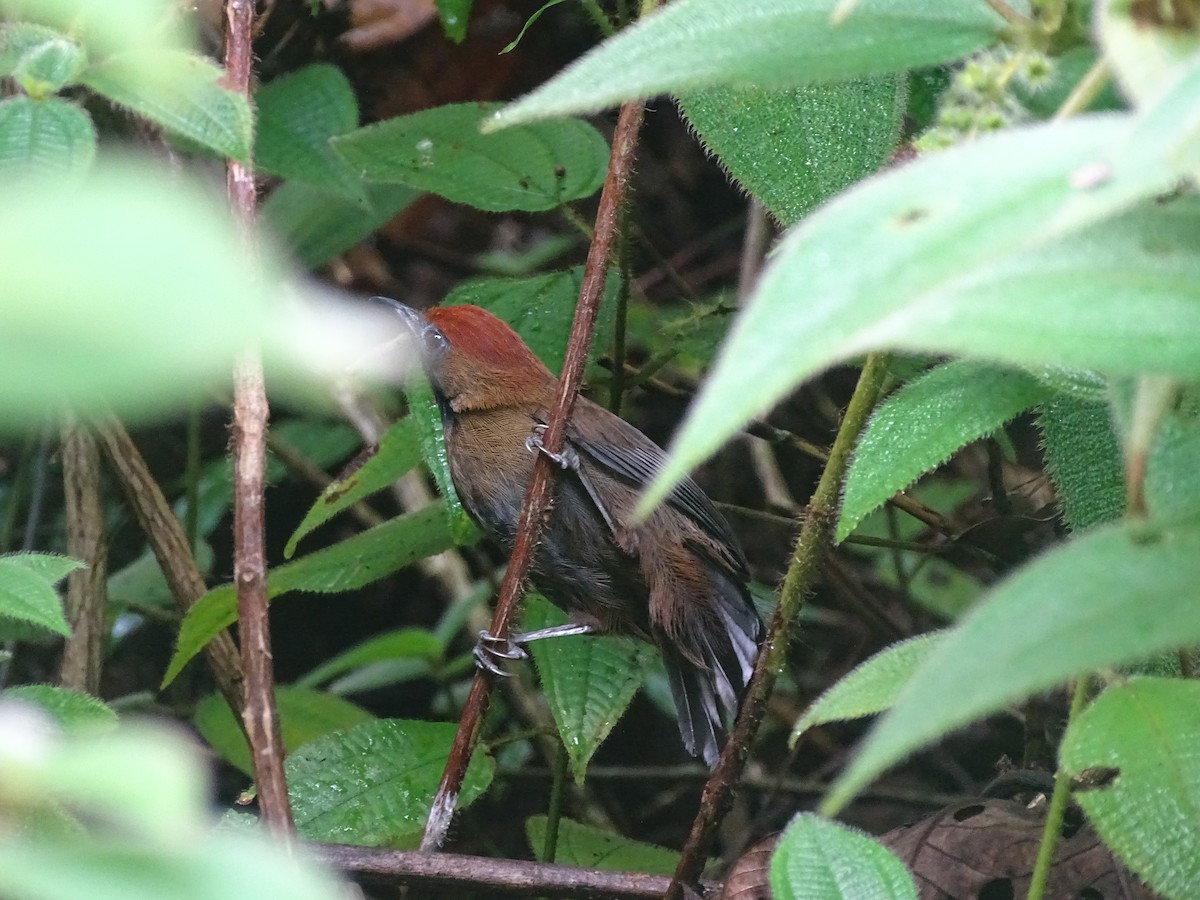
473	359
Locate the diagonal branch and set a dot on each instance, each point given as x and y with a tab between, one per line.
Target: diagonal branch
249	484
170	546
537	494
811	547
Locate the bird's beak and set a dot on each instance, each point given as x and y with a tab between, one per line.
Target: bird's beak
413	319
402	348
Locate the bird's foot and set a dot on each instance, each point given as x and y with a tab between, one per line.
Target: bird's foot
490	650
567	459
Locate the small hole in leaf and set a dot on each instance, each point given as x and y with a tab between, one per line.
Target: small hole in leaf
1072	822
911	217
997	889
968	812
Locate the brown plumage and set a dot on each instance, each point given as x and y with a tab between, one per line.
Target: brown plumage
677	579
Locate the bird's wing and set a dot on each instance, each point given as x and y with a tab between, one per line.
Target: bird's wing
637	459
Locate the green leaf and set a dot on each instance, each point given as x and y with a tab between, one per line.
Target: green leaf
72	710
304	715
17	39
145	779
182	92
373	785
50	567
297	115
150	276
1119	593
1172	479
871	687
1132	754
212	867
694	44
27	592
454	15
594	848
428	418
983	249
398	451
540	308
442	151
105	28
821	860
1083	460
924	423
317	225
588	681
793	149
45	68
347	565
415	644
45	137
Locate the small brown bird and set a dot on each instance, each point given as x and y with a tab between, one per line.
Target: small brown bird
677	579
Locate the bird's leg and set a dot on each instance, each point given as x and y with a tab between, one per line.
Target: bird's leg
569	459
489	649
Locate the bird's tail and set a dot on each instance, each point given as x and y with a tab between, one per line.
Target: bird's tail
707	697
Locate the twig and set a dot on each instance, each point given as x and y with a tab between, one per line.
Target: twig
1052	827
537	493
1010	15
249	432
493	877
170	545
83	653
811	547
1085	91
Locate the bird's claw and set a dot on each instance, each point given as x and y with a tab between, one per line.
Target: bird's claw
567	459
489	649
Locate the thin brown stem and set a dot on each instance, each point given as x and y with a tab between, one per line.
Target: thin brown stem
816	533
537	494
82	655
249	433
171	549
485	876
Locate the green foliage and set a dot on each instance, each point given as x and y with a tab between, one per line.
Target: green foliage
1084	460
45	136
593	848
453	15
793	149
921	425
131	808
929	258
871	687
1016	641
73	711
356	561
1132	758
695	44
298	115
316	224
588	681
180	91
304	715
441	150
398	451
372	785
540	309
1068	249
819	860
27	589
149	277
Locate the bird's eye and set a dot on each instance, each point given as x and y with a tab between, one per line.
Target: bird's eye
434	341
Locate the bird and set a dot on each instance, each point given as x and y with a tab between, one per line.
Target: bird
677	579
